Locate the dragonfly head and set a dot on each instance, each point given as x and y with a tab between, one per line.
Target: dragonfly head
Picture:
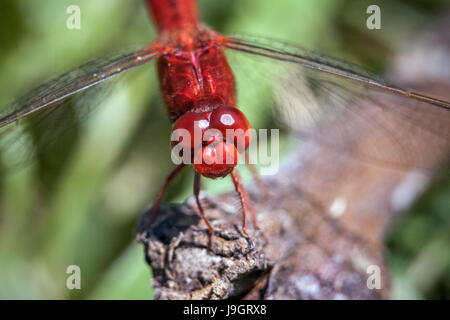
213	139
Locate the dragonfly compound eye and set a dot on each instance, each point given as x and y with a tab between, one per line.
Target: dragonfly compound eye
216	160
188	130
234	126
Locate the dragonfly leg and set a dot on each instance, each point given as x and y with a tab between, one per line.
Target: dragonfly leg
153	212
200	209
245	201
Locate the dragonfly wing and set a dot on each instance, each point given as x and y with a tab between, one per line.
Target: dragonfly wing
341	106
81	78
47	116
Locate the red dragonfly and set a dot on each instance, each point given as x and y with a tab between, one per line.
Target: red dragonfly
199	89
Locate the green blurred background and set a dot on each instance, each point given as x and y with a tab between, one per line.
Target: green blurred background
84	210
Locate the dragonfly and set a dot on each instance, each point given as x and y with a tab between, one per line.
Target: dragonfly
197	81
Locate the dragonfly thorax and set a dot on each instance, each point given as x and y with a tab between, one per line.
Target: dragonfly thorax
193	80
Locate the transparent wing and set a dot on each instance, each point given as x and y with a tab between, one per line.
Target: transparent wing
341	106
83	77
47	115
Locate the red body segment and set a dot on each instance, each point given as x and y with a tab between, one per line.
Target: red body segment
200	80
171	15
193	72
